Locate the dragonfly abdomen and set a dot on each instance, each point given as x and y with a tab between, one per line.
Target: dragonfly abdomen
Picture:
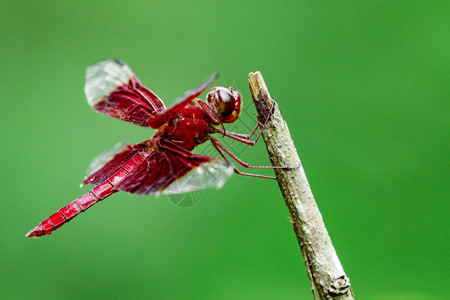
77	206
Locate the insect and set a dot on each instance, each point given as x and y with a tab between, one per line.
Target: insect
164	163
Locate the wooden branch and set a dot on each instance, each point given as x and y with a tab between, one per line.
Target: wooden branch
322	263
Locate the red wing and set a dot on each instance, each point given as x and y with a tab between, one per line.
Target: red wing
158	119
107	163
169	173
112	89
169	170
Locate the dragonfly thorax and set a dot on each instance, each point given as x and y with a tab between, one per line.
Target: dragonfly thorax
189	128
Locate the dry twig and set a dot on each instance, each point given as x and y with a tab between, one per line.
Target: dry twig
324	269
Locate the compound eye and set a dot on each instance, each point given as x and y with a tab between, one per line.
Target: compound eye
225	101
224	95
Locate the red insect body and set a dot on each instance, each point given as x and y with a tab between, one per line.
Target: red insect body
100	192
165	163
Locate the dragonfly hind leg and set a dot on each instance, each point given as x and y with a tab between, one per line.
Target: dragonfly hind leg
221	149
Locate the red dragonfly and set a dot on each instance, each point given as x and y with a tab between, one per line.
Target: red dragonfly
164	163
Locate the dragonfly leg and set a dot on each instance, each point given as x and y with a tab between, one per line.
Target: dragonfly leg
236	170
243	138
242	135
221	148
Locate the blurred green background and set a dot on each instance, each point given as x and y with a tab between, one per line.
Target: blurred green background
364	88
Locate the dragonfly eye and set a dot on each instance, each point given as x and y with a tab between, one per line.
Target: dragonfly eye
224	101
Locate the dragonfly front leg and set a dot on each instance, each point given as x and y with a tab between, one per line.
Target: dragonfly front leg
239	135
243	138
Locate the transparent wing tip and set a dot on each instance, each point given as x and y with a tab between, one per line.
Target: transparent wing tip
213	174
103	77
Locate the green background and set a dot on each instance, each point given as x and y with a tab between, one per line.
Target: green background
364	88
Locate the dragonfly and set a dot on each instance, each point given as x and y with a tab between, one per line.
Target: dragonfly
164	164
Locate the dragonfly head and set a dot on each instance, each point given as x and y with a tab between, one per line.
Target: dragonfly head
226	103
